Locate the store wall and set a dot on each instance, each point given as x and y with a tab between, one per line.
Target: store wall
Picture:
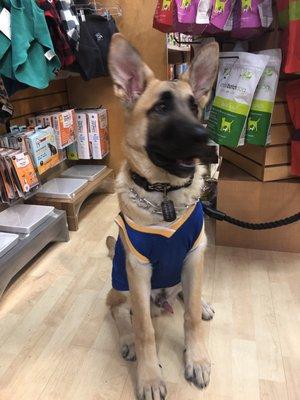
136	25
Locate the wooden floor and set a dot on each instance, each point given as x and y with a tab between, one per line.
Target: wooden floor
58	341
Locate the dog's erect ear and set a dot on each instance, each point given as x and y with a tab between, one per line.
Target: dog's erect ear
203	71
129	73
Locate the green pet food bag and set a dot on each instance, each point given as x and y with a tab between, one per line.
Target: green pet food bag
239	74
259	120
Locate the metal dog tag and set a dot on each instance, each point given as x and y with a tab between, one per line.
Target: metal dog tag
168	210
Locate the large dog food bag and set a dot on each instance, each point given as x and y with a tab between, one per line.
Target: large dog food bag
239	75
259	120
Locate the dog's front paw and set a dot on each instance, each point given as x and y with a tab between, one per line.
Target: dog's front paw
151	388
128	348
197	368
207	311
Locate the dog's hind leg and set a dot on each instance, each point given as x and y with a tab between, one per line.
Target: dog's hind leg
120	309
207	310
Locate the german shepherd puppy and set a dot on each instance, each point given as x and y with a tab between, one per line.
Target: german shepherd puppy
164	142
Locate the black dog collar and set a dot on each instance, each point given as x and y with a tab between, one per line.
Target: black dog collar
157	187
167	206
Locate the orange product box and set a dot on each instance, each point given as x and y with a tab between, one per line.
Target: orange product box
98	133
64	125
25	171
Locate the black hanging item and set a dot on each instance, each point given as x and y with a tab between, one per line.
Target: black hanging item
167	208
92	53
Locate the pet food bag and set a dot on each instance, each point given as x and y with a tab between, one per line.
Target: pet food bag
259	120
246	19
203	12
163	17
239	75
186	11
266	13
221	16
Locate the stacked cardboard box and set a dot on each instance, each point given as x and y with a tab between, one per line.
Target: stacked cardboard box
242	196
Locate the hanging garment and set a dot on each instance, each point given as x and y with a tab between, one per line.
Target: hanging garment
29	56
58	35
289	20
163	249
92	54
6	108
70	22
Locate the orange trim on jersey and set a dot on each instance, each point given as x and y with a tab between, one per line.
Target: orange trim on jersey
139	256
200	238
166	231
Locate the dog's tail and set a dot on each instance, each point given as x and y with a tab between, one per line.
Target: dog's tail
111	245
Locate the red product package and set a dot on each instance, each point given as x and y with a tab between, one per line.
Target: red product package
296	154
289	20
164	16
293	100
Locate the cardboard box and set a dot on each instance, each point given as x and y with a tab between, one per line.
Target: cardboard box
84	146
244	197
260	171
98	133
43	148
64	125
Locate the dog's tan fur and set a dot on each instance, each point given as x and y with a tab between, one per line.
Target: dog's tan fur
138	100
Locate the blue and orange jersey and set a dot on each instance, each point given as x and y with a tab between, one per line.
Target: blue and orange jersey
161	248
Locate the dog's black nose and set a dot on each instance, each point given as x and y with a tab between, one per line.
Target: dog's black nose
200	133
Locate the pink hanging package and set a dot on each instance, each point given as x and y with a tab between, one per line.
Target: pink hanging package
187	11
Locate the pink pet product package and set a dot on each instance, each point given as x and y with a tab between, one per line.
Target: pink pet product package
187	11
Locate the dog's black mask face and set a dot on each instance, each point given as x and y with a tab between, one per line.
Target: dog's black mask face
175	139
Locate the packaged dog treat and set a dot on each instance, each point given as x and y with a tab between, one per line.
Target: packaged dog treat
259	120
246	19
186	11
239	75
163	17
266	13
221	13
203	12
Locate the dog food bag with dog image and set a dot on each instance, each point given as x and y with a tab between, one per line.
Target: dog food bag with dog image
186	11
259	120
221	14
239	75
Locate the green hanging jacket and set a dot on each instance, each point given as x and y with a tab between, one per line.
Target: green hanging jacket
29	57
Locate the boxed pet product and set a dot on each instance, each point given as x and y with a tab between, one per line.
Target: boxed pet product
25	171
84	146
98	132
64	125
43	148
72	152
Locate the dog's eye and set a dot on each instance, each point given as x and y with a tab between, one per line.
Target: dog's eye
193	105
194	108
160	108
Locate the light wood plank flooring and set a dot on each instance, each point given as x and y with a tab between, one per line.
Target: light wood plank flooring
58	341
